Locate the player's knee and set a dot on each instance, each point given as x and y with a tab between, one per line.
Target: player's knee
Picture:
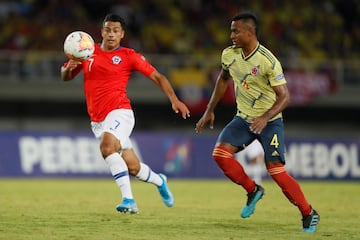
273	164
220	154
109	145
215	156
106	150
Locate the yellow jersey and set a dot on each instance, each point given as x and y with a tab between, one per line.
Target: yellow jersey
253	76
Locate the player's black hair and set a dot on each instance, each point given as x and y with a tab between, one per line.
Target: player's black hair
248	16
115	18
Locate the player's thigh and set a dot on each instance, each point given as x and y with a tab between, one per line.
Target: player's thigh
237	133
272	139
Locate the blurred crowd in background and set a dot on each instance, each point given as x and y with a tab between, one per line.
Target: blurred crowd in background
316	41
308	29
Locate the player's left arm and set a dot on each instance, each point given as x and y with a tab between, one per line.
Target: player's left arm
163	83
282	101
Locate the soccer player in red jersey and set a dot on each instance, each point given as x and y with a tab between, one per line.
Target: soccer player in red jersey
261	96
106	75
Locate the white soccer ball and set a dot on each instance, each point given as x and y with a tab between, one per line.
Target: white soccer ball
79	46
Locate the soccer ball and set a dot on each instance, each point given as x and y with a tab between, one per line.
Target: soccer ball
79	46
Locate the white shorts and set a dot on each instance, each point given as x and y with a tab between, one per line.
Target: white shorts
254	149
120	123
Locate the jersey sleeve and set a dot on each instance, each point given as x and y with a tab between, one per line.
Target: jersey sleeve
226	59
141	64
276	74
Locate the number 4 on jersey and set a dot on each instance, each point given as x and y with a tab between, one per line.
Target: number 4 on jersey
274	141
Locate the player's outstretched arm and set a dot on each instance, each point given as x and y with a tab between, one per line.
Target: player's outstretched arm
221	85
66	70
163	83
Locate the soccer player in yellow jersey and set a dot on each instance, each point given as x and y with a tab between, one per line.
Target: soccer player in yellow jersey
261	95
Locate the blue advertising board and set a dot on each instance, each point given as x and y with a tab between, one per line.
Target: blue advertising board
76	154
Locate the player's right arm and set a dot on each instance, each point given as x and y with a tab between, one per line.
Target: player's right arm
221	85
67	71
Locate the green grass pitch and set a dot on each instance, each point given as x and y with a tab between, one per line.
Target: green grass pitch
204	209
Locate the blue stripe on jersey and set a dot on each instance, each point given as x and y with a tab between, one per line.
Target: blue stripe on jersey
121	174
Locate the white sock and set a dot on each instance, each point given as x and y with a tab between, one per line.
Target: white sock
147	175
120	172
257	171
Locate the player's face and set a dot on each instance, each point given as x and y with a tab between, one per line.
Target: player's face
240	33
112	33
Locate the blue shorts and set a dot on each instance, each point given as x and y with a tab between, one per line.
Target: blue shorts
238	134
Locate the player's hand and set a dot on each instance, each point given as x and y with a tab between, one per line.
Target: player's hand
207	117
258	124
66	70
179	106
72	64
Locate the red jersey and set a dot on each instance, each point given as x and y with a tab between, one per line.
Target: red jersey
106	75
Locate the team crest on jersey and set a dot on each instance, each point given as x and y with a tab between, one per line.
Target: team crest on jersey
255	71
116	59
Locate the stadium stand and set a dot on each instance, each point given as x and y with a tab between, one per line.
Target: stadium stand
314	39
